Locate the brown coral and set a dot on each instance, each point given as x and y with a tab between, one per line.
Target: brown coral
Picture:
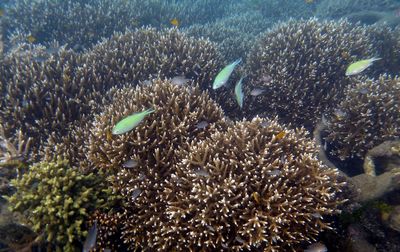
44	93
301	66
368	116
256	186
154	144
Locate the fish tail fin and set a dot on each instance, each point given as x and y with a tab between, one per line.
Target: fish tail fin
149	111
237	61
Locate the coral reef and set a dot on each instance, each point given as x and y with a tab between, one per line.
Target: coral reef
386	44
57	200
301	65
232	33
154	145
284	9
79	24
368	116
147	53
45	92
340	8
257	185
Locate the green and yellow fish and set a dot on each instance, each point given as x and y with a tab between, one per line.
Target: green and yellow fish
223	76
239	92
359	66
130	122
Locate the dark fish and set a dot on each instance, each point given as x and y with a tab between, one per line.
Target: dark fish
130	164
136	193
90	241
202	125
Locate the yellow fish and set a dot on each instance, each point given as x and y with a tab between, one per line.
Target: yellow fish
280	135
1	12
175	22
359	66
31	39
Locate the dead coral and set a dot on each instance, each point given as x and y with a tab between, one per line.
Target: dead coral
301	65
368	116
257	186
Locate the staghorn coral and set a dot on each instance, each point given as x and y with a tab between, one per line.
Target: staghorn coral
232	34
154	144
368	116
79	24
57	200
386	44
301	66
147	53
284	9
44	93
41	97
256	186
341	8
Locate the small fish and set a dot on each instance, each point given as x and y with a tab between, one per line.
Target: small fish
266	78
274	172
202	125
136	192
39	59
256	197
223	76
265	124
280	135
31	39
147	83
179	80
130	164
202	172
339	113
240	240
316	215
257	91
108	135
130	122
309	1
359	66
210	228
239	92
52	49
174	22
316	247
1	12
363	91
90	241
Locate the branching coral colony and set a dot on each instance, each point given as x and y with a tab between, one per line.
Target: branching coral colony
185	177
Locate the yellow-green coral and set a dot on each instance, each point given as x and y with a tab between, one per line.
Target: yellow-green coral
58	200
